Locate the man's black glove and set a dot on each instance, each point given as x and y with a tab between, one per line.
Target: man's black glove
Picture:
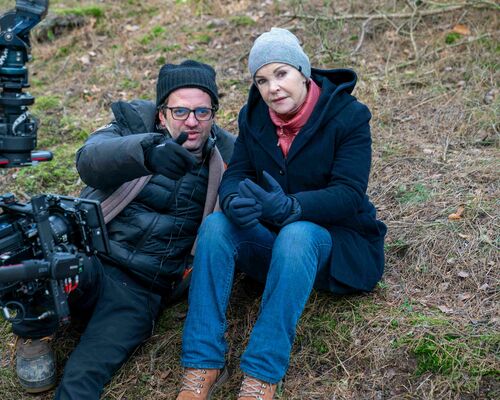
170	158
243	212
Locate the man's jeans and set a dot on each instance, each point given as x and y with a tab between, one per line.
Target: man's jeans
289	263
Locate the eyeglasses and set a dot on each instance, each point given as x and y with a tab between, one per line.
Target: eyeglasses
200	113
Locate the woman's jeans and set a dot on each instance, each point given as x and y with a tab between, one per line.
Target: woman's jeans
288	263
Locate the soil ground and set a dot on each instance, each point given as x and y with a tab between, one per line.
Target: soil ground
429	72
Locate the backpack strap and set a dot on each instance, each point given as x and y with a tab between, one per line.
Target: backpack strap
122	196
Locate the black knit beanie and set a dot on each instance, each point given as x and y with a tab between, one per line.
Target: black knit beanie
188	74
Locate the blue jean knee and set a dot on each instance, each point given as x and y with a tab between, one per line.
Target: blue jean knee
299	252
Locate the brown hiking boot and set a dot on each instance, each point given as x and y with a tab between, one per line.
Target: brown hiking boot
199	384
35	364
255	389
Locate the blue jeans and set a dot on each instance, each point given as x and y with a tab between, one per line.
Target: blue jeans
288	262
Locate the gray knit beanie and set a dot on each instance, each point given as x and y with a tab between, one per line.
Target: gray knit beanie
281	46
188	74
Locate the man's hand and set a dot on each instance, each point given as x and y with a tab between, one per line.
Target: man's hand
276	205
170	158
243	212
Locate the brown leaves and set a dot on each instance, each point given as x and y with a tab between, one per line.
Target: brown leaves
463	274
461	29
445	309
457	215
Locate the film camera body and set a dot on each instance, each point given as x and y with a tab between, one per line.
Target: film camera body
42	242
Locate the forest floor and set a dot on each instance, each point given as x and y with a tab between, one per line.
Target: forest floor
429	72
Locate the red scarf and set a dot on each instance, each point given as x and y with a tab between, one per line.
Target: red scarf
288	126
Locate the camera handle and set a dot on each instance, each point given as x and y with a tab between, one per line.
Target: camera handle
41	216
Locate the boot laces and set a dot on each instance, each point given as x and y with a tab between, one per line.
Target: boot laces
252	387
191	380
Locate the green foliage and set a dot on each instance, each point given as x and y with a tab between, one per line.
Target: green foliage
200	6
91	11
242	20
394	323
71	128
128	83
320	345
398	246
382	285
62	51
171	47
451	355
45	103
202	38
442	351
324	323
452	37
423	320
418	193
50	35
57	176
155	32
433	356
490	44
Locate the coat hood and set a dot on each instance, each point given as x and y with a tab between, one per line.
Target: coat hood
336	86
136	115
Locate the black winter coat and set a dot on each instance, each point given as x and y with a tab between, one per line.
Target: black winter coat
152	237
327	170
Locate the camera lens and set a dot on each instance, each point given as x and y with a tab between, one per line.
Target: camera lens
60	228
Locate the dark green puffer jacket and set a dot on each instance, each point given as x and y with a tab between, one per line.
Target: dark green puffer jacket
152	237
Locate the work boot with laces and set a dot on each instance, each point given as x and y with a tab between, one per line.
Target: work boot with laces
199	384
35	364
255	389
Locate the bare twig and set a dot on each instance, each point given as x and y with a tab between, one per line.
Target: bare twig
422	13
386	68
446	145
362	36
473	3
438	50
413	24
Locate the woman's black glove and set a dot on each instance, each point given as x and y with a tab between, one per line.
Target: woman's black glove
242	211
170	158
277	207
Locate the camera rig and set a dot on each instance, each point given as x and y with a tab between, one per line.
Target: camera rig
42	242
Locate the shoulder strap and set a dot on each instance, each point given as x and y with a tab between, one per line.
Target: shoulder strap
122	196
215	172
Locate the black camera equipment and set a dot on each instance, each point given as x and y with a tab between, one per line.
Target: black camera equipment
18	128
43	242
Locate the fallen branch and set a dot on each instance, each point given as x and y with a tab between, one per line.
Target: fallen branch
438	50
413	24
422	13
362	36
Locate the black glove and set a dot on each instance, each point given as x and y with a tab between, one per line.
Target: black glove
276	205
243	212
170	158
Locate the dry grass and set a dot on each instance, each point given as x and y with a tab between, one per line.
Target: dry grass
430	330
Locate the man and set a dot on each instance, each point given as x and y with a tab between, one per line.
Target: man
173	152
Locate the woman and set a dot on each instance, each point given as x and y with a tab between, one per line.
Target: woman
295	216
